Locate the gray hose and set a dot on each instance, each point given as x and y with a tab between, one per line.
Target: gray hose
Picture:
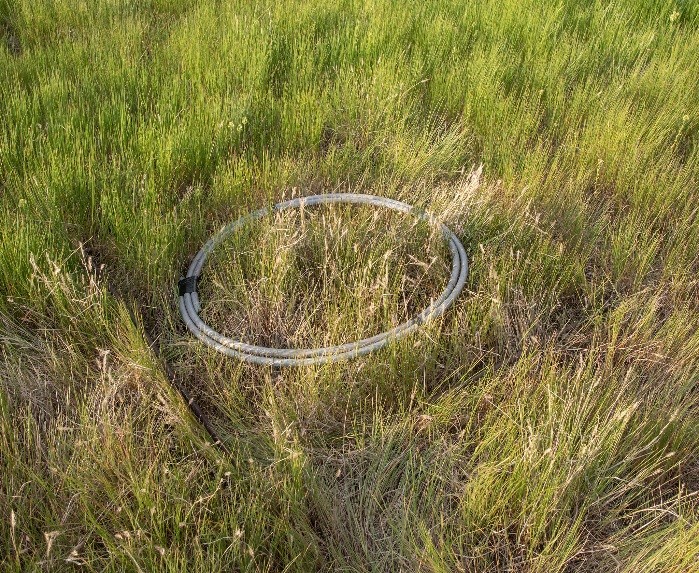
189	299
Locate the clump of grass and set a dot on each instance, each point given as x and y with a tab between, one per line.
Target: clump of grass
323	276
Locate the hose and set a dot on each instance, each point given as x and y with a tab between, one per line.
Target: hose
189	298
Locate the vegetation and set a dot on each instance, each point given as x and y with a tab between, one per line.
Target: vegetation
550	421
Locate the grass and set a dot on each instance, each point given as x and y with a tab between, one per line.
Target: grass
550	421
324	276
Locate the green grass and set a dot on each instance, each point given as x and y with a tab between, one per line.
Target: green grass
550	421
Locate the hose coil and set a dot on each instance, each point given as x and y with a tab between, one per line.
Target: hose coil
189	298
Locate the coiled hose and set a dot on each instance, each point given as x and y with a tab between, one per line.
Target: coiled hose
189	299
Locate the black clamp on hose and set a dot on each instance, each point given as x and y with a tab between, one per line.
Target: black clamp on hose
187	285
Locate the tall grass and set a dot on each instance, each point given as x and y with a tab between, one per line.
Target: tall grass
550	422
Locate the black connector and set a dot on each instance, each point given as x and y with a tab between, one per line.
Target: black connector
187	285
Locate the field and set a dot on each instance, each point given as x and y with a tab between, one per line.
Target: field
549	422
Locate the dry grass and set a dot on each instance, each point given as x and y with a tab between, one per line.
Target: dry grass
324	276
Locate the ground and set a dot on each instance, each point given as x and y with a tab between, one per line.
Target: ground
548	422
